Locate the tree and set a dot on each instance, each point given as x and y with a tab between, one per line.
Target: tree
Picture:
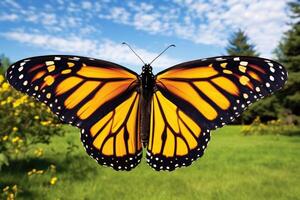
288	53
239	45
4	63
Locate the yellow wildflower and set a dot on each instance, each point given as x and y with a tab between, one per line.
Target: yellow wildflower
5	137
16	103
38	152
36	117
53	180
45	123
31	104
9	99
15	139
33	171
20	101
52	168
17	112
15	188
15	129
1	78
5	86
39	171
11	196
5	189
3	103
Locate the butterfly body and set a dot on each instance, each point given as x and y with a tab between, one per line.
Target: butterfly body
171	114
147	84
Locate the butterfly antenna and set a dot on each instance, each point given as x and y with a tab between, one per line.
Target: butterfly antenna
134	52
172	45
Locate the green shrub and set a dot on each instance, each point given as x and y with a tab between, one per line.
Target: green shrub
274	127
24	122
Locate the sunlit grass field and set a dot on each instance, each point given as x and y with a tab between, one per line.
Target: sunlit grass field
233	167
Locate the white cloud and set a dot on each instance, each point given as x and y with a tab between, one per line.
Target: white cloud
86	5
107	49
8	17
48	18
12	3
209	22
263	20
117	14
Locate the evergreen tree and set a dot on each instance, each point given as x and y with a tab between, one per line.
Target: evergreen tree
288	53
239	45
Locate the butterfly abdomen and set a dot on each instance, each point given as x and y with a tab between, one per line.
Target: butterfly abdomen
146	90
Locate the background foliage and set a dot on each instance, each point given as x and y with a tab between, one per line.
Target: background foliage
23	122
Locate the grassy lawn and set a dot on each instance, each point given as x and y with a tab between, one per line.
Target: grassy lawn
233	167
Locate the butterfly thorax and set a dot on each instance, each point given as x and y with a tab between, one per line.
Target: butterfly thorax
146	89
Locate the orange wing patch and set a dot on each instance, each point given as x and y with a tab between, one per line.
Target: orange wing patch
187	73
114	140
174	136
170	124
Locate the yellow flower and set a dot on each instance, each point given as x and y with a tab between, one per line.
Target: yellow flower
5	86
16	104
38	152
17	112
15	139
53	180
15	188
52	168
1	78
36	117
3	103
11	196
31	104
5	189
5	137
45	123
20	101
33	171
9	99
15	129
39	171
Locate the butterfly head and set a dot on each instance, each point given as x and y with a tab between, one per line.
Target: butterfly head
147	69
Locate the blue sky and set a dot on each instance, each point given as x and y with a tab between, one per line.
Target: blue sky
97	28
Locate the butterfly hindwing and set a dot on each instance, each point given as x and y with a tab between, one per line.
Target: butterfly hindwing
113	140
210	93
175	139
86	93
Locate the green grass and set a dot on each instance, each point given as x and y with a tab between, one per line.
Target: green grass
233	167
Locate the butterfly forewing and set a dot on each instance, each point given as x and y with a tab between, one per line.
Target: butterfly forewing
97	96
209	93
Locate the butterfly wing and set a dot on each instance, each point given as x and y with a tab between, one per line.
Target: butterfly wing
97	96
198	96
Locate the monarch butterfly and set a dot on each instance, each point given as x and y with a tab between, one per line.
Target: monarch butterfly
170	114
